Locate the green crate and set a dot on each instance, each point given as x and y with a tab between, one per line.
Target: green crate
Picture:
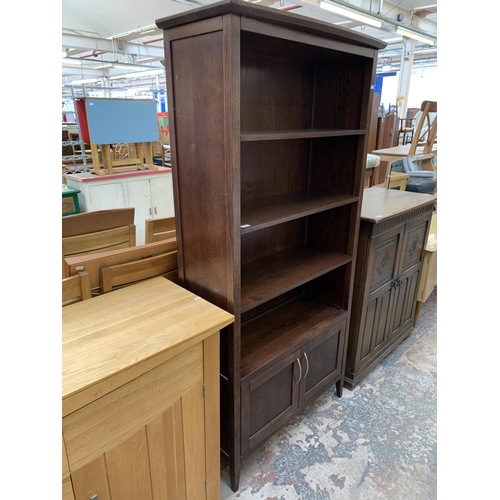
70	204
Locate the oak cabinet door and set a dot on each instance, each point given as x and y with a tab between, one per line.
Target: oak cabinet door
146	439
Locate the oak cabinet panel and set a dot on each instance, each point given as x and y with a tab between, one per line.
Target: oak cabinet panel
141	412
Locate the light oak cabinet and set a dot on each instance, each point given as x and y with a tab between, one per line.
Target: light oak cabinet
392	240
148	191
268	116
151	431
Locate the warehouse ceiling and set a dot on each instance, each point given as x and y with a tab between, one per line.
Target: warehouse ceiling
115	43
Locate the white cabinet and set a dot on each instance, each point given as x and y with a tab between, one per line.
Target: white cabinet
148	191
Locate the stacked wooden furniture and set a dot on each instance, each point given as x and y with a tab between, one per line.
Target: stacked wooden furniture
159	229
149	192
140	395
392	240
98	231
429	268
76	288
127	264
268	115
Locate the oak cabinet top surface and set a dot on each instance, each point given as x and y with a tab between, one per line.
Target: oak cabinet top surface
268	14
128	328
380	203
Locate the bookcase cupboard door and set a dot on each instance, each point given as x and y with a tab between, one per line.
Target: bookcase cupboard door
322	362
269	400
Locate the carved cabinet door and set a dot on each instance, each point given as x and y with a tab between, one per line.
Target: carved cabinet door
406	286
381	285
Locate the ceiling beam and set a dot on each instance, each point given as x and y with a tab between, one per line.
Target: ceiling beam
388	14
82	43
83	72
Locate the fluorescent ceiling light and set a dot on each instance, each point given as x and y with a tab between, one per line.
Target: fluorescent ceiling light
351	14
71	62
139	74
127	66
414	35
391	40
88	80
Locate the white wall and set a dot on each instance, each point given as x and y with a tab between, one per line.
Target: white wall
423	87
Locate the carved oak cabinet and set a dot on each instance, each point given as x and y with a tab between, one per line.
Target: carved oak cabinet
268	119
392	240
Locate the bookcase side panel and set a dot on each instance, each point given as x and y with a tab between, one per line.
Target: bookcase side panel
205	196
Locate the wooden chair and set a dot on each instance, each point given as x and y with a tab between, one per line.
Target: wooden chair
110	239
160	229
407	126
391	130
93	262
76	288
426	129
111	277
100	231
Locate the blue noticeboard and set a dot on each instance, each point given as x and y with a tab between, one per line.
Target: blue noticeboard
114	121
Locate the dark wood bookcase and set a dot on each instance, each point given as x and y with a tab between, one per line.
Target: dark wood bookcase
268	117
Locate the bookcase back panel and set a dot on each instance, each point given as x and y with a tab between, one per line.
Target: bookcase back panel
276	94
333	164
272	240
272	168
330	288
301	87
330	230
338	85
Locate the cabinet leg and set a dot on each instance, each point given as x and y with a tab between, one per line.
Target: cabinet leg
234	472
417	312
340	388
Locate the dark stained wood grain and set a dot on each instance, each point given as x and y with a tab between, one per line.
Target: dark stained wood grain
278	273
199	153
262	213
297	134
281	331
386	280
268	126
